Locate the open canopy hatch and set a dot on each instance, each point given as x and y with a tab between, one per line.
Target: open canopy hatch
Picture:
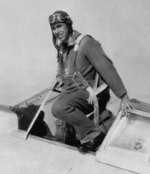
127	144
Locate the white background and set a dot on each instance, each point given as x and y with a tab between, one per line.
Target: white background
28	57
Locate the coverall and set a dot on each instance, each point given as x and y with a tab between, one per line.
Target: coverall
73	106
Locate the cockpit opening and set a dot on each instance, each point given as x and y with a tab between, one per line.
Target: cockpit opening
64	132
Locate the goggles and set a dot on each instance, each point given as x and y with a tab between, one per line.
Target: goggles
58	18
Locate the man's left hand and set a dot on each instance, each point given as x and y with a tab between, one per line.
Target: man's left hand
126	106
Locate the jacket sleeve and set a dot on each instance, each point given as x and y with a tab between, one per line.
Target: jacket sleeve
104	66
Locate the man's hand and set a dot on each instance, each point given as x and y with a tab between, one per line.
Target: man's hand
56	83
59	83
53	84
126	106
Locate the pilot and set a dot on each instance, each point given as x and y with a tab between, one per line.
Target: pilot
77	68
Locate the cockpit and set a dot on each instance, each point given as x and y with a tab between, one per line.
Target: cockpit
46	125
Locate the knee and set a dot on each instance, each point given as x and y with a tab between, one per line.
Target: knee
56	109
59	109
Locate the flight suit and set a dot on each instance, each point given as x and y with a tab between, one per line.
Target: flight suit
73	106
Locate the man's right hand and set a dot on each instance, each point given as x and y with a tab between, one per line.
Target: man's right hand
59	83
56	83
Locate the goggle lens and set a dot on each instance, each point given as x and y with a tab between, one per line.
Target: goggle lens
57	18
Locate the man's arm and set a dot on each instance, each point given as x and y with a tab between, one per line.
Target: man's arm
108	72
104	67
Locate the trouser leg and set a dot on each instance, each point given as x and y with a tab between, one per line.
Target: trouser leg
72	108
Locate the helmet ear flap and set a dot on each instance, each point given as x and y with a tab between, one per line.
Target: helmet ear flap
69	21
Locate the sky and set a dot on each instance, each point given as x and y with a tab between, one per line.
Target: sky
28	57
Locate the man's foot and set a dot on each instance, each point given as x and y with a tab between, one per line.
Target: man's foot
92	140
91	135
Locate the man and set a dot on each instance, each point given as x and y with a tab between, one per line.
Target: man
76	75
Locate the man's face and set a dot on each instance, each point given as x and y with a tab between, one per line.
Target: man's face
60	31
